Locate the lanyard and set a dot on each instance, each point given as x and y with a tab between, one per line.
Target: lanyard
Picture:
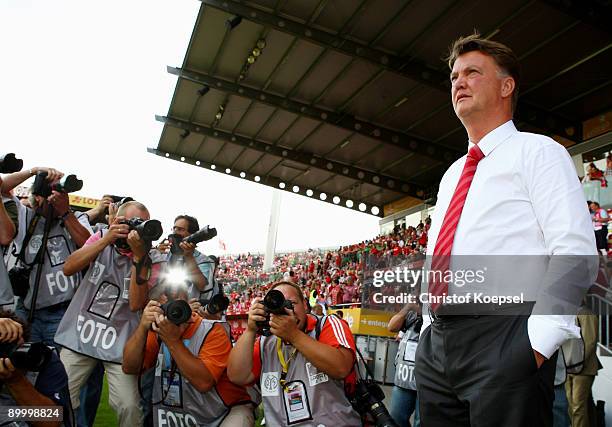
284	364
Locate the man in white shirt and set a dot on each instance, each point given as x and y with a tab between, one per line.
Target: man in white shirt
514	194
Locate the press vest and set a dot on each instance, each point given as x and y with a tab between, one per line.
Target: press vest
54	286
404	360
6	292
15	245
99	321
326	403
203	262
178	403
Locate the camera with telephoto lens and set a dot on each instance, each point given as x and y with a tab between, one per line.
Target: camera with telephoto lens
177	311
202	235
29	356
274	303
44	188
9	163
148	230
217	304
368	399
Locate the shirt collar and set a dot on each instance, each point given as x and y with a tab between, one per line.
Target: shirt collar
495	138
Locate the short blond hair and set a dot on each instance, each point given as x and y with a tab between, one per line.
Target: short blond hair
125	206
503	56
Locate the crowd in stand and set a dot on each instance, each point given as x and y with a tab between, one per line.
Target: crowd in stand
330	277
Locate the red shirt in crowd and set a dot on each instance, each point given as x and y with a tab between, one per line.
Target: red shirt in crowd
335	294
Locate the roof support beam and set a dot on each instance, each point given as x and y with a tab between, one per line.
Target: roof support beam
595	13
409	67
310	160
291	187
333	41
389	136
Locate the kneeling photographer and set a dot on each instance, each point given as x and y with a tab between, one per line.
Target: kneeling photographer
31	374
53	232
189	355
176	259
304	367
99	321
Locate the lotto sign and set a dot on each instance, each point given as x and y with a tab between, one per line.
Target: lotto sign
83	202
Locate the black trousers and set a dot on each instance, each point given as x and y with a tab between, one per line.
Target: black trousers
601	238
481	372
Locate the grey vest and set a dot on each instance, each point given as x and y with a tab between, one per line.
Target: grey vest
178	402
6	291
99	321
54	286
326	400
560	370
205	264
404	360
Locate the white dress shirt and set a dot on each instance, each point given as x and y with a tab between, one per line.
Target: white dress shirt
525	199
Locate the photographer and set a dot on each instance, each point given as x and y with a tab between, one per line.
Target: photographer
303	369
99	321
195	266
190	357
99	217
404	396
9	224
66	232
47	387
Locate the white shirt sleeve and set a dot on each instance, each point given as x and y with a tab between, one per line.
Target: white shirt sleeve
84	220
560	208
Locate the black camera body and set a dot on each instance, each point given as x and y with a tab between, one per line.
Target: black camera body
68	184
30	356
148	230
202	235
19	277
217	304
177	311
368	399
274	303
9	163
121	199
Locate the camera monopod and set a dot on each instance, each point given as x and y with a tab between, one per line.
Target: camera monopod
40	260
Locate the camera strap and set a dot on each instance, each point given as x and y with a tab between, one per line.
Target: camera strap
365	365
170	380
284	364
146	263
26	241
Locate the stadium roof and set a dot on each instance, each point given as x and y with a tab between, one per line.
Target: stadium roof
350	99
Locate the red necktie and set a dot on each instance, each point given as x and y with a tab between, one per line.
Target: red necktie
444	244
